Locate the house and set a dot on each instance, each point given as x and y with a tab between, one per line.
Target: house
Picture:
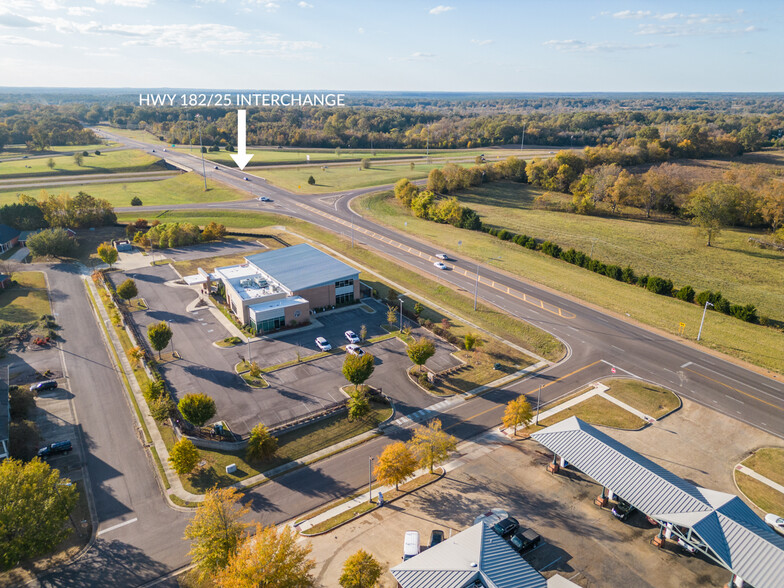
9	237
477	558
279	288
25	235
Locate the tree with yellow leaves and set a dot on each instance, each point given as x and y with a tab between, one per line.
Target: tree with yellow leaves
395	464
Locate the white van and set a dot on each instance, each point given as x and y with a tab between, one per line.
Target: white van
410	545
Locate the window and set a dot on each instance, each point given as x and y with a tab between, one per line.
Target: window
344	298
343	283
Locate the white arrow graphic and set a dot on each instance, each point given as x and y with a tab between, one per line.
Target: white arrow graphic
242	158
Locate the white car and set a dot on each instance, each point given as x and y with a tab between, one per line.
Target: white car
216	167
355	350
775	522
440	265
443	256
351	336
247	179
323	344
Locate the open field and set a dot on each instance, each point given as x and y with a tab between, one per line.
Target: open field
25	301
128	160
742	274
14	151
339	178
518	332
180	189
267	156
710	170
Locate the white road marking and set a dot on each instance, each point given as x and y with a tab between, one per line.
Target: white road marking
735	399
117	526
210	330
686	364
618	348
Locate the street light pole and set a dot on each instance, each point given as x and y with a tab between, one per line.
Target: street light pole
522	141
476	285
400	299
702	322
538	399
370	479
201	148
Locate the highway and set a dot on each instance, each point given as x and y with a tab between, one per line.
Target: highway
596	343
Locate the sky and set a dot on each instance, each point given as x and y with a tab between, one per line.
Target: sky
344	46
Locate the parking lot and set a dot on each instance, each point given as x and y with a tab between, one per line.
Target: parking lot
294	391
580	541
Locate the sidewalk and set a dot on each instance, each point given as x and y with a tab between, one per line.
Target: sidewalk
759	477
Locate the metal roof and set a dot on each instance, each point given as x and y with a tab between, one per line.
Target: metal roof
728	527
301	266
477	553
7	233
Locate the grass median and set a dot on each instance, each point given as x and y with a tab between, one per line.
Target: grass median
671	250
292	446
107	162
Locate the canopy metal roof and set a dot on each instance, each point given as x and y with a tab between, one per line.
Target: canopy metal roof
723	523
477	553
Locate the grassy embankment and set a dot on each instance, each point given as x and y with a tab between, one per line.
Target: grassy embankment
181	189
518	332
672	250
14	151
107	162
25	301
768	462
649	399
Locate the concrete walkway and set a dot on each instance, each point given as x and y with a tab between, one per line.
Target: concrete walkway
759	477
19	255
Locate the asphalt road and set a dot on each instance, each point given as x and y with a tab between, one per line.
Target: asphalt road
596	342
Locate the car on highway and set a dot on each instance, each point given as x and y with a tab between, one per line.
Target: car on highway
524	539
354	350
443	256
323	344
216	167
153	150
622	510
45	385
775	522
351	336
55	449
246	178
164	149
506	527
440	265
264	199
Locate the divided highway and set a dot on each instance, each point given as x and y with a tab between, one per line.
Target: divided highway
124	487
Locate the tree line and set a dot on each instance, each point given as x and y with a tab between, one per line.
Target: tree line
40	127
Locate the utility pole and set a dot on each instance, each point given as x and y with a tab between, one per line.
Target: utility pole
522	141
702	322
538	398
201	148
370	479
476	285
400	299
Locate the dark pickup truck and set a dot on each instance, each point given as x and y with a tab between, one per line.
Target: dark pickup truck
55	449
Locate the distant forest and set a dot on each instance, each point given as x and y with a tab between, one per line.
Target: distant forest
726	124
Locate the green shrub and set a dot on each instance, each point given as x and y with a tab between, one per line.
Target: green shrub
153	390
505	235
614	272
136	201
685	293
659	285
628	275
746	313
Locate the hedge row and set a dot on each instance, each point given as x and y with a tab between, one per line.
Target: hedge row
654	284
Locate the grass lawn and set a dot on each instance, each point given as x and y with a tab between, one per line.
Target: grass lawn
479	367
13	151
181	189
595	411
291	446
188	267
127	160
348	177
768	462
648	398
518	332
765	497
25	301
755	274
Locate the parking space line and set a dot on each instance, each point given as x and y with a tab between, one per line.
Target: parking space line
117	526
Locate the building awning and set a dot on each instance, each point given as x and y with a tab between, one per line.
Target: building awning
726	529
